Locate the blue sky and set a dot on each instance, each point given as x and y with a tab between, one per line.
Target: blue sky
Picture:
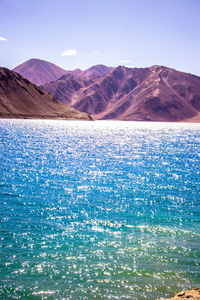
81	33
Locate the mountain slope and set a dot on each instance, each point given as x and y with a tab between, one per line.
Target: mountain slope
69	84
66	86
95	72
19	98
156	94
163	94
39	71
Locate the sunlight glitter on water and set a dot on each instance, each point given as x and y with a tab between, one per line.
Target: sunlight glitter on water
106	210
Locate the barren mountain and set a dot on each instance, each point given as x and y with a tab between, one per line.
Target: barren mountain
19	98
66	86
39	71
95	72
69	84
156	94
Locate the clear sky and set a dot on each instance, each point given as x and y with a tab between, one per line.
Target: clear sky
81	33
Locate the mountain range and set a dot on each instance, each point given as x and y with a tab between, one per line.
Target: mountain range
41	72
19	98
156	93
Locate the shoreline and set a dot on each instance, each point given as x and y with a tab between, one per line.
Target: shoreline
33	117
188	294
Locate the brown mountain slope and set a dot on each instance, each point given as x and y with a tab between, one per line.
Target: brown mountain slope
19	98
156	94
69	84
163	94
39	71
66	86
106	92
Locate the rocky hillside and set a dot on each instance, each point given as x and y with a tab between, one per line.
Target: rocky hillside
95	72
156	94
192	295
19	98
66	87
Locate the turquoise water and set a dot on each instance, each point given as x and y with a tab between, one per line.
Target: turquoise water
98	210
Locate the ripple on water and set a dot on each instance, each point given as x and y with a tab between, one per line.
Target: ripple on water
106	210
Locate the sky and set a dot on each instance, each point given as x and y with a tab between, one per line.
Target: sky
81	33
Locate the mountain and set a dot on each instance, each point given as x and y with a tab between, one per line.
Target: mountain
66	86
157	93
95	72
39	71
69	84
19	98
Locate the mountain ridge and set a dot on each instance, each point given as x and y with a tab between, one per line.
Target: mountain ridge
157	93
19	98
41	72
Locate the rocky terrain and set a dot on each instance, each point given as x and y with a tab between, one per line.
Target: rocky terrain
157	93
95	72
141	94
192	294
19	98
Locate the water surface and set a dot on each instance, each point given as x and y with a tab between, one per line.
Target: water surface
98	210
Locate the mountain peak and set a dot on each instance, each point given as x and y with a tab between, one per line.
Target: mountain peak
157	93
96	71
118	72
39	71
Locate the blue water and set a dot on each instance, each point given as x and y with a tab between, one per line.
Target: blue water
98	210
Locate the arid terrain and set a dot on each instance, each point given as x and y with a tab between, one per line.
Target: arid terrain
156	93
139	94
19	98
192	295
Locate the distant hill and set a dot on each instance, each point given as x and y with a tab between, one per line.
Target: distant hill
19	98
157	93
41	72
95	71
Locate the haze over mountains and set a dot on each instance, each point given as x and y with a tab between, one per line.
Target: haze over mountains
156	94
19	98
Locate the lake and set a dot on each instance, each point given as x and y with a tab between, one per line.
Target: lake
98	210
